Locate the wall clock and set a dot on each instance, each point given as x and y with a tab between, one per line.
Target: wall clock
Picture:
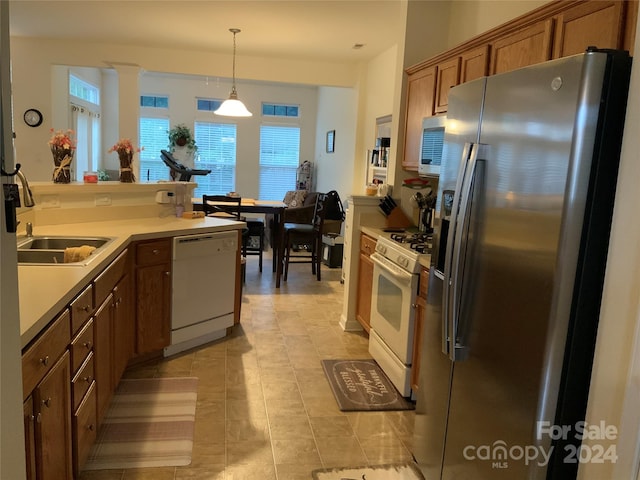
33	117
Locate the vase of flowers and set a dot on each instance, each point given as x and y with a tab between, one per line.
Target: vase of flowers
125	150
62	145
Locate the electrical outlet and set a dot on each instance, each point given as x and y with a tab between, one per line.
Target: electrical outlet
103	200
50	201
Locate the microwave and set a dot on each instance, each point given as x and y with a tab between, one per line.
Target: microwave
431	145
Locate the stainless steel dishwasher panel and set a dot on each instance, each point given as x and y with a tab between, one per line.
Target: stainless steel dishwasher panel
204	272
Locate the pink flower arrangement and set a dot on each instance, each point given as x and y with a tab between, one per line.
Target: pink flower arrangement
62	139
124	145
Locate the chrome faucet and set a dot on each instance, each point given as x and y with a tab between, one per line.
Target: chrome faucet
26	191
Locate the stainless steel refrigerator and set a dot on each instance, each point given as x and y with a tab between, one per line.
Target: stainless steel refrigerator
524	209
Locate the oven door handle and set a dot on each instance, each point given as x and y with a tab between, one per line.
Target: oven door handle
396	272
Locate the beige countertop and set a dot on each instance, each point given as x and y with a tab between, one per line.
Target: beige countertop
44	290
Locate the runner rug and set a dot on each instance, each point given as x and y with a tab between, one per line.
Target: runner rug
149	423
361	385
406	471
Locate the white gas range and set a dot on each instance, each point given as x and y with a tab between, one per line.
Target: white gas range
396	272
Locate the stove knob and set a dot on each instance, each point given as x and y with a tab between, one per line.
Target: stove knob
381	248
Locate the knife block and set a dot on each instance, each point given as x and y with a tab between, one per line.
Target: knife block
398	219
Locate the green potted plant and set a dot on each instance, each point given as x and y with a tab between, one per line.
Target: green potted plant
181	136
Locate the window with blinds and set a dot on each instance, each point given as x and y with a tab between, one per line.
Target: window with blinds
216	152
279	160
153	137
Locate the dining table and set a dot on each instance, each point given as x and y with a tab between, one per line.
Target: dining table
266	207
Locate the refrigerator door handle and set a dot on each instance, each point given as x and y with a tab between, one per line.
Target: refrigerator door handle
457	268
447	338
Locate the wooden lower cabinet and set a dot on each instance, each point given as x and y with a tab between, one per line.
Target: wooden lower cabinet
124	328
153	295
52	410
30	437
85	428
102	326
365	281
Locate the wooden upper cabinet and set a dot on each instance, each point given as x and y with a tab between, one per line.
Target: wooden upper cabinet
474	64
596	23
420	103
448	76
528	46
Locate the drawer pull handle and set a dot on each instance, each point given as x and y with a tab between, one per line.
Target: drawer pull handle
155	251
87	345
39	418
45	361
167	273
91	427
47	402
86	308
88	379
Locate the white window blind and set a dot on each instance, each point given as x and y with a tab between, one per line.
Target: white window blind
279	160
153	137
86	124
216	152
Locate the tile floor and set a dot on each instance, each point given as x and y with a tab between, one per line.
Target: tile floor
265	410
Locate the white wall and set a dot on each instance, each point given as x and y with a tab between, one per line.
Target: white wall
472	17
336	111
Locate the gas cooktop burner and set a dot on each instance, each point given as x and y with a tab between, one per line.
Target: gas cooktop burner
419	242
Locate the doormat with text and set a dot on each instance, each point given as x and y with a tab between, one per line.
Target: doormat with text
361	385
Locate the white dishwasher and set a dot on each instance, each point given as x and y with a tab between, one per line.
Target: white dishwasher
203	288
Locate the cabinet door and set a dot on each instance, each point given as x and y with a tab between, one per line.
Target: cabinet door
526	47
365	283
448	76
30	437
53	431
153	307
124	328
420	99
597	24
102	327
474	64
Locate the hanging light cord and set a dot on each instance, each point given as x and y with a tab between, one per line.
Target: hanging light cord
234	94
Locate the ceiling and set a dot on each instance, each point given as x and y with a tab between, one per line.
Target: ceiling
323	30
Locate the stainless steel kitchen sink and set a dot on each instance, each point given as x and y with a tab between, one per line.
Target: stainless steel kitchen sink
60	243
48	250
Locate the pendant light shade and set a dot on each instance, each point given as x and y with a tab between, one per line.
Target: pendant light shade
233	107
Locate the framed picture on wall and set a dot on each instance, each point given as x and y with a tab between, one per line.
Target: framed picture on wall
331	141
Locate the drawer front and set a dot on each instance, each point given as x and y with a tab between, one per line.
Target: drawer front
104	283
81	346
40	356
84	428
151	253
82	381
367	244
424	283
81	309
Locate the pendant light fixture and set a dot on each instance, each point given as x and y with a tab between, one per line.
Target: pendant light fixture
232	107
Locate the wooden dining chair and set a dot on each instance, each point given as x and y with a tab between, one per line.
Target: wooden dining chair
225	206
222	206
304	234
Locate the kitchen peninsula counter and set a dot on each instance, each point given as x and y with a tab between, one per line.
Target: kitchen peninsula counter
44	290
